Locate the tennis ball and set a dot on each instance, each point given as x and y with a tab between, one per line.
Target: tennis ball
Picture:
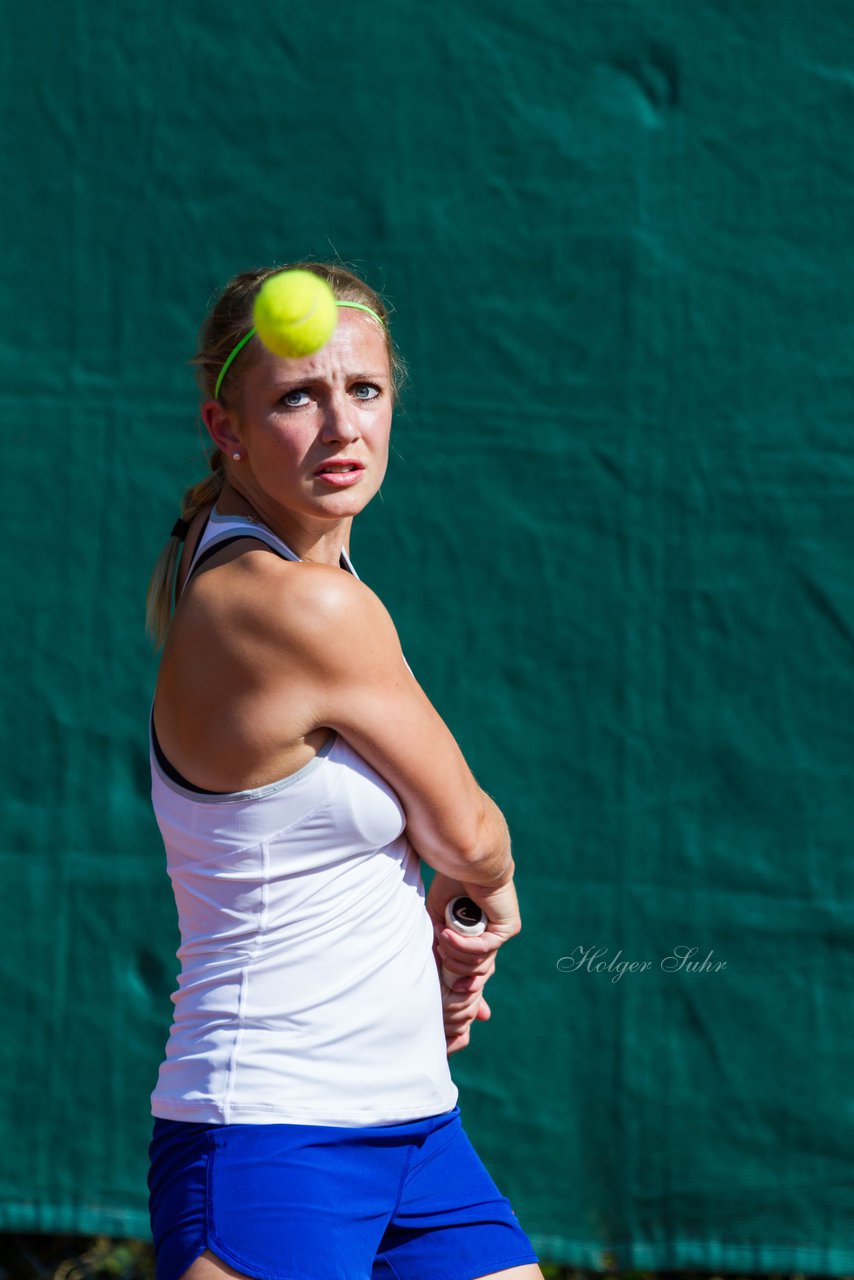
295	313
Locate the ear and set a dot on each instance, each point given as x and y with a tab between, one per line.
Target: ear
220	425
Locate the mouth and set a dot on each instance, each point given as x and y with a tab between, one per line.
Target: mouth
340	472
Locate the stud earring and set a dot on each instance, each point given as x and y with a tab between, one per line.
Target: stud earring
237	456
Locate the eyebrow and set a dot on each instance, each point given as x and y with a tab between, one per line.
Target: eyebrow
289	384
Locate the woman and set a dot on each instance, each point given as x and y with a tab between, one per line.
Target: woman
306	1125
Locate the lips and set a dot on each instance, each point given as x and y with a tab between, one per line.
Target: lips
340	472
339	466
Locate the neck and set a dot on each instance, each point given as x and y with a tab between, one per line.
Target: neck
317	543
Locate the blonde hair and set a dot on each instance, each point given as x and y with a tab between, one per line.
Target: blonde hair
229	319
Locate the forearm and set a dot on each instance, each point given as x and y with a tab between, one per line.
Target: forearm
488	863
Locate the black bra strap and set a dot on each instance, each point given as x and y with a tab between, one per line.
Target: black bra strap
218	546
212	550
172	772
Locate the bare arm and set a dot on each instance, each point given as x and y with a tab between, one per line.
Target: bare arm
356	681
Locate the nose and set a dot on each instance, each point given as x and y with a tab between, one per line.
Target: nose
340	421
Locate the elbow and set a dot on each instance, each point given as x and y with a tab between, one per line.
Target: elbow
481	855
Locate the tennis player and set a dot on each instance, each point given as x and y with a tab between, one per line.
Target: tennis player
306	1124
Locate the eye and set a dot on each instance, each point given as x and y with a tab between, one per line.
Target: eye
366	391
295	398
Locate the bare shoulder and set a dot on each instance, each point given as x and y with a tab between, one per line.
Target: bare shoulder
255	599
260	654
334	616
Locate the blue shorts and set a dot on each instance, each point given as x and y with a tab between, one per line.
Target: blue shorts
408	1201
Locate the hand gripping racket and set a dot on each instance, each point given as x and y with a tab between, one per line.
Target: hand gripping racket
466	917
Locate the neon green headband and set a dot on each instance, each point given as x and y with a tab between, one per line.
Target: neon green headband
357	306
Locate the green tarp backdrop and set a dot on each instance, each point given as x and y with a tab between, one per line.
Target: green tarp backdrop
616	536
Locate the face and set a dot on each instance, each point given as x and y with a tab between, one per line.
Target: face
314	432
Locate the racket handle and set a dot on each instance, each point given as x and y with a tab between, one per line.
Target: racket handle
465	916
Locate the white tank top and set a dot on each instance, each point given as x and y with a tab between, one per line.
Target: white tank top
308	990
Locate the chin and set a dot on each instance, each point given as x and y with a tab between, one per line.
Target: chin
347	502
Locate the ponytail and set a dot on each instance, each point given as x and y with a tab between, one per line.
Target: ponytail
161	587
